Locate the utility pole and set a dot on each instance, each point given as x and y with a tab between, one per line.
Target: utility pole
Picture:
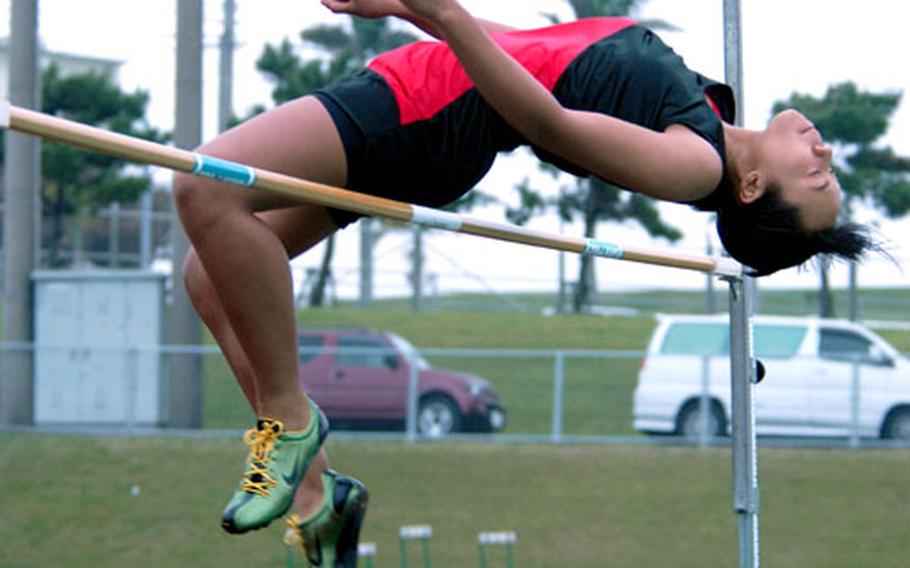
184	327
226	75
22	183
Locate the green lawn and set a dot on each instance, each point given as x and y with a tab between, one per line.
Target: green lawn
874	303
67	501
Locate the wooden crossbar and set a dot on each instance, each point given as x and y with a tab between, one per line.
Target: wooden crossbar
142	151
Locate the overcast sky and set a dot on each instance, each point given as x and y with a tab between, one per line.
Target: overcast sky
789	46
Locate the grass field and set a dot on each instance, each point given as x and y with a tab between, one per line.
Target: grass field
874	303
67	502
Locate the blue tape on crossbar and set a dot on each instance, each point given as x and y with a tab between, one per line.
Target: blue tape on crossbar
223	170
594	247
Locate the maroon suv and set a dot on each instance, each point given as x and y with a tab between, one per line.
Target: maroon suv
360	378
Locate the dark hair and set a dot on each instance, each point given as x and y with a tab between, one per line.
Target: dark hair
767	235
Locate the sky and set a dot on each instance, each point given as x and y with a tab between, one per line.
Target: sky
788	46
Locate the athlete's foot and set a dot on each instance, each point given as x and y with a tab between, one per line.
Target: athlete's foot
330	535
276	466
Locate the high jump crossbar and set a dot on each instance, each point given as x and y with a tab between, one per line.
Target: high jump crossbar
143	151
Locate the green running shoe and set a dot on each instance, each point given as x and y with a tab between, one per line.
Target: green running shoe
276	465
329	537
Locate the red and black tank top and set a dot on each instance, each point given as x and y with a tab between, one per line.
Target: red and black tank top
608	65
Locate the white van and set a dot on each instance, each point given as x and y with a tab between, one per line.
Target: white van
811	366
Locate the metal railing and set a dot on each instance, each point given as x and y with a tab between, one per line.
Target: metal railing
549	396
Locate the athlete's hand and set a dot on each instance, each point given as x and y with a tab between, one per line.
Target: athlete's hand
366	8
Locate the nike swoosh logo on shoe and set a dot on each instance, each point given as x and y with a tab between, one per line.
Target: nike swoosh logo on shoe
294	478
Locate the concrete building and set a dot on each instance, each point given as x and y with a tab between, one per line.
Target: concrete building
68	64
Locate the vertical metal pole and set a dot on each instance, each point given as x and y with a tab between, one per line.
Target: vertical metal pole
21	186
852	294
413	386
366	261
132	388
703	407
733	54
145	230
559	377
561	268
742	360
78	252
417	269
745	450
226	67
854	403
114	234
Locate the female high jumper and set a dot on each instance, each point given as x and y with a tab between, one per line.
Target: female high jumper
422	124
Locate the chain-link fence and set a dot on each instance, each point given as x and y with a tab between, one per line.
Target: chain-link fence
552	396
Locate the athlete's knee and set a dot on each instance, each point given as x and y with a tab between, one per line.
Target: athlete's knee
200	203
188	197
197	284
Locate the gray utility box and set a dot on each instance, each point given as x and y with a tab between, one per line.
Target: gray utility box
97	340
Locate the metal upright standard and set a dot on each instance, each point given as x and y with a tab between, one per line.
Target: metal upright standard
742	359
745	449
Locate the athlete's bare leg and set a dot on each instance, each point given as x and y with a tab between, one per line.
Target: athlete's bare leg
208	305
245	260
238	276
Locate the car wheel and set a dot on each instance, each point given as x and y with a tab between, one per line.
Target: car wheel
438	416
689	421
898	425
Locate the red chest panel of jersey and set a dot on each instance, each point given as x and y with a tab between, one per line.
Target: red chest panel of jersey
426	76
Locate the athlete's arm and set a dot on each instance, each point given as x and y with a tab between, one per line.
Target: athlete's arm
382	8
675	165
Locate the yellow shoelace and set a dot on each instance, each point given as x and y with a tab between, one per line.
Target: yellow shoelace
261	441
293	536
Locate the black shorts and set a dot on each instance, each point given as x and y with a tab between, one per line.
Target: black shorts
431	162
